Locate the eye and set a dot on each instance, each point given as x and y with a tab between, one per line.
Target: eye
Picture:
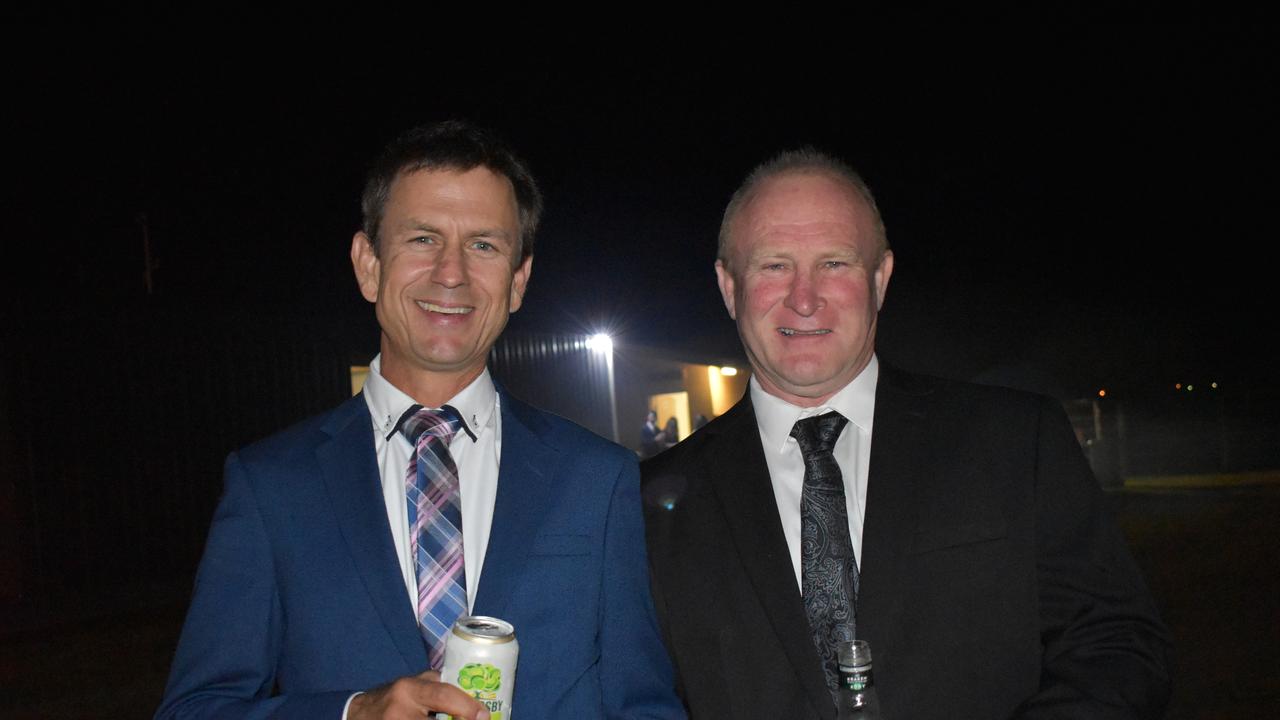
775	267
834	264
483	245
423	240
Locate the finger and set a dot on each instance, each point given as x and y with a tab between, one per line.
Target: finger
442	697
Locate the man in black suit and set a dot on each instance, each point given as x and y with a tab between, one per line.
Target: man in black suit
968	544
649	436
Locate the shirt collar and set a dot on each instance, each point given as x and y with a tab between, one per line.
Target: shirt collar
475	403
775	416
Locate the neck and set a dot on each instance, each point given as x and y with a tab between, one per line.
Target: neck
806	397
429	389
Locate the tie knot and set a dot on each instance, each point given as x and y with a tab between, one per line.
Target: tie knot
819	433
417	420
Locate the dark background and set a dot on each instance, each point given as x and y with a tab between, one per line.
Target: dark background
1092	204
1070	209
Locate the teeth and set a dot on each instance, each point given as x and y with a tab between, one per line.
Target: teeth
792	331
446	310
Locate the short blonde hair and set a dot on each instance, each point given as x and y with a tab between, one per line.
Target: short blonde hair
802	161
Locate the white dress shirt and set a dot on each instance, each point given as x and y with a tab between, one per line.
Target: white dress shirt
477	461
775	418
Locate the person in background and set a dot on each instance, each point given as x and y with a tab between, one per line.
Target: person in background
649	443
670	434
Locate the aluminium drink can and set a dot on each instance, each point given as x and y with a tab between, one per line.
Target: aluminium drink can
480	658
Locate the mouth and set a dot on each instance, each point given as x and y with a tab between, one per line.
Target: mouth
447	310
792	332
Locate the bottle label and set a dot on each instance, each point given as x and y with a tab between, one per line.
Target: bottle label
856	679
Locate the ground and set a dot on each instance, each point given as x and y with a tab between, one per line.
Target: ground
1211	557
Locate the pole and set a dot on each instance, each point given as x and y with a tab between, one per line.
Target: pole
613	397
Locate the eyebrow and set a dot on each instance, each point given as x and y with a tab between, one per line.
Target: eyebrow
416	226
491	233
786	253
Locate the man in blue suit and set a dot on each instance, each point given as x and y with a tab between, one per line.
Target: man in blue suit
309	601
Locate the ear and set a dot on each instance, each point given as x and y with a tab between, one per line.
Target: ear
882	277
519	281
367	266
725	279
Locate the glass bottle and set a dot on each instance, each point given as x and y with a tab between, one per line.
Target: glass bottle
858	700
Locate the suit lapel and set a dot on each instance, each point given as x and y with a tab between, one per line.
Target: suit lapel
740	477
525	475
900	457
349	466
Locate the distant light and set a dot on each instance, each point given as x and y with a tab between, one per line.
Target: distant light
728	371
1102	392
1190	388
1177	386
1213	385
601	343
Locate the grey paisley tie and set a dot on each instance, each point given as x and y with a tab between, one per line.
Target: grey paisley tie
829	569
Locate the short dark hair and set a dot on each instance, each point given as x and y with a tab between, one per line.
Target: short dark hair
450	145
802	161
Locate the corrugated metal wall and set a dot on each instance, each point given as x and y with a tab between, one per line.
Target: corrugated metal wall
115	427
557	373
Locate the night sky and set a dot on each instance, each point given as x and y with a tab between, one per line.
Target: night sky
1094	208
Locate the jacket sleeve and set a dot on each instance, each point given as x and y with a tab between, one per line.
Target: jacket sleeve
635	671
1104	646
225	665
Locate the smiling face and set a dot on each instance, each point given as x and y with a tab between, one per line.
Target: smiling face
444	278
804	283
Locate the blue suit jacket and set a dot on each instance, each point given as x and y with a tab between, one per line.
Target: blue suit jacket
299	600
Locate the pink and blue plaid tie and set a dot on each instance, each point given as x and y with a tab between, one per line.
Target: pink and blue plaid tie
435	524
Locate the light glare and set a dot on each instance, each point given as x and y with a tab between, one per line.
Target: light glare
601	343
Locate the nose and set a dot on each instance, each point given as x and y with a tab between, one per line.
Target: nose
803	297
450	269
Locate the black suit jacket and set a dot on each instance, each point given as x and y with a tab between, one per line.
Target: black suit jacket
993	583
